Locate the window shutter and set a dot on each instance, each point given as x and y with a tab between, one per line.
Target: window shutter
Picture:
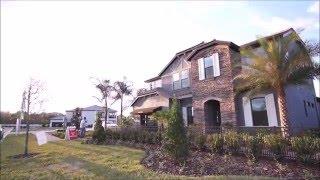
201	69
184	115
247	111
216	65
271	110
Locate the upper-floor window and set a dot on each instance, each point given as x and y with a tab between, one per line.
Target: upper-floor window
176	81
184	78
181	79
155	84
208	67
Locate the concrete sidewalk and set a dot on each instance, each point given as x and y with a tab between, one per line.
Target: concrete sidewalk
44	137
7	131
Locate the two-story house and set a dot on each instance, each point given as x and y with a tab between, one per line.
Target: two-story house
201	78
90	115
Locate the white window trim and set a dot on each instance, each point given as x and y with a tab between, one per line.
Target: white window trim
271	111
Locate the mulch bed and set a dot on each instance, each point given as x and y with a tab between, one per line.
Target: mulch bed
23	156
204	163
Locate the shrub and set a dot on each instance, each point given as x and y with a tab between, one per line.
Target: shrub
159	137
215	142
305	147
98	134
126	121
231	141
176	142
313	133
200	141
254	144
59	134
276	143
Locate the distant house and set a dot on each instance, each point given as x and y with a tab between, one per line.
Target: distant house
90	114
57	121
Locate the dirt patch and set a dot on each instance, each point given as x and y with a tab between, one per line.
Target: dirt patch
204	163
23	156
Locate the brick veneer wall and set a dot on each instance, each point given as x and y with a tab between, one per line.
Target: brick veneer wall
219	88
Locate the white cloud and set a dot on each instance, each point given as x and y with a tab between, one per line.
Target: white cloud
314	8
275	24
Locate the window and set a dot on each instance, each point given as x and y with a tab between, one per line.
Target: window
181	81
184	79
208	67
155	84
259	112
176	81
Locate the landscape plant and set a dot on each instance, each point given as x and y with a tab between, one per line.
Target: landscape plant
231	141
215	142
122	89
176	141
200	141
253	145
277	144
98	135
76	118
105	88
305	147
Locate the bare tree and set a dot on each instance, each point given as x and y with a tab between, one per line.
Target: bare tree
105	88
32	98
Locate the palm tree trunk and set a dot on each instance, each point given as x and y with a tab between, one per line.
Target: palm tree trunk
283	113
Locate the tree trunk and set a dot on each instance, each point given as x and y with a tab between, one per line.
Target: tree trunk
27	139
121	109
106	115
27	130
283	113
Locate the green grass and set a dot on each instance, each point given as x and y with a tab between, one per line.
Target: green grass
73	160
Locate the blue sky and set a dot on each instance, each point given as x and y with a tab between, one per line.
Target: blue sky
66	43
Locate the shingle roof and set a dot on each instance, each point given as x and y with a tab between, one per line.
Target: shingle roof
95	108
192	50
256	42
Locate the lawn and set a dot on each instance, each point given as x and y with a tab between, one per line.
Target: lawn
73	160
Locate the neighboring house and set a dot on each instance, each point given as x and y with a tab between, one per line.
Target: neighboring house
201	78
57	121
90	114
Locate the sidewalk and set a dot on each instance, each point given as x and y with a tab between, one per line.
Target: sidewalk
43	137
7	131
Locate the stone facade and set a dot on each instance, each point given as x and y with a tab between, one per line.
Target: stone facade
216	88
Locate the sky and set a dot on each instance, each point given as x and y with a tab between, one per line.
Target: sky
67	44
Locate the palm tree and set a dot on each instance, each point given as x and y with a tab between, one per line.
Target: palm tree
279	66
122	88
105	89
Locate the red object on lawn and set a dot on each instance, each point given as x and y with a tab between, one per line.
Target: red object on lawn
73	134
